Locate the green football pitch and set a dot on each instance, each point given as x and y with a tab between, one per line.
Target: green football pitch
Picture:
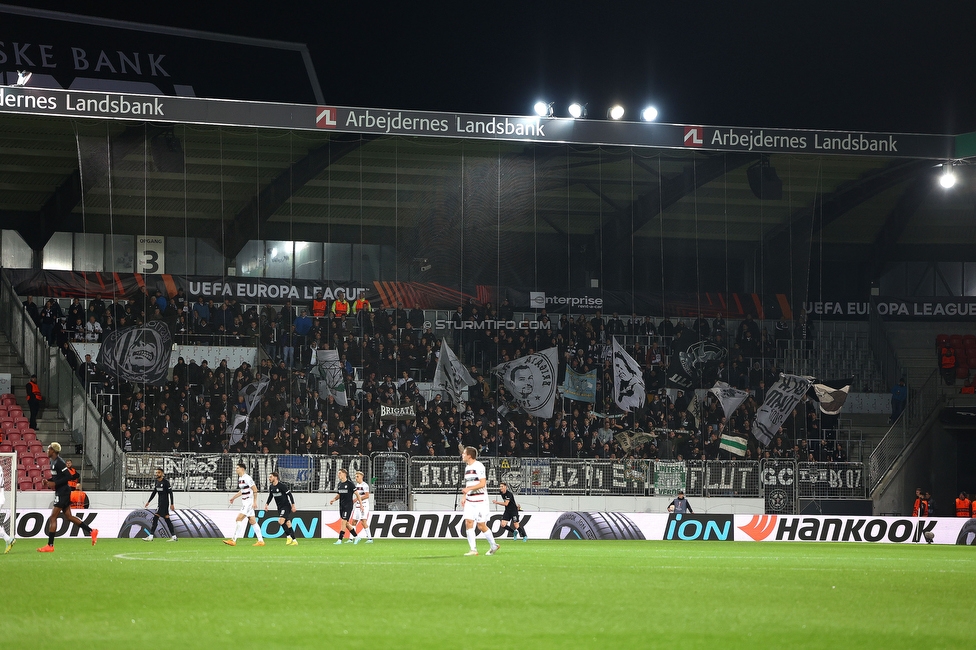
538	594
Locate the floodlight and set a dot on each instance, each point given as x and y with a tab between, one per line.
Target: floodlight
577	110
542	109
22	78
649	114
616	112
948	178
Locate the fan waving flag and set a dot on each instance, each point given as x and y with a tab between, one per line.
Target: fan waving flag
451	375
734	444
780	401
628	380
253	393
328	370
831	394
532	381
138	354
580	387
730	398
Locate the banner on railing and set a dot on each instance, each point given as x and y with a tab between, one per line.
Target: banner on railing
831	481
216	472
669	477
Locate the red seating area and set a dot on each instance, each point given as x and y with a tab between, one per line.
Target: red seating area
16	435
964	346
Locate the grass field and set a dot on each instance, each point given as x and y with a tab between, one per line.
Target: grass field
539	594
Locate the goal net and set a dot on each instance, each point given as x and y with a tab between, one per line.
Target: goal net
8	490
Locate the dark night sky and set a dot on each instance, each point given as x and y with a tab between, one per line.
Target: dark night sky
897	66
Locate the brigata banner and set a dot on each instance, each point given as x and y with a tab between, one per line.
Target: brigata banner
342	119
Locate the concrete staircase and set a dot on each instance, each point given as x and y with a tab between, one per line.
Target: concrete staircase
51	427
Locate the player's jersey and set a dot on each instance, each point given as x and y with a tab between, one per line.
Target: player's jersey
245	484
282	495
164	491
512	507
60	475
362	489
345	490
473	474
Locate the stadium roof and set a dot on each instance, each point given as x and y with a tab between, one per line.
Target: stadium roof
266	171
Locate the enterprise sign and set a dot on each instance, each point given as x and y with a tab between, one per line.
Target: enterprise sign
191	110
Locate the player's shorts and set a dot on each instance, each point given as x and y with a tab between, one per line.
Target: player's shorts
476	511
345	513
247	508
62	499
162	511
510	516
360	514
285	513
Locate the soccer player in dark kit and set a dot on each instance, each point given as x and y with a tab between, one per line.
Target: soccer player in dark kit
62	499
284	504
346	494
510	518
164	504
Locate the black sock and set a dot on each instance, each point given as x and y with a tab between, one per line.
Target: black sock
169	524
152	526
50	539
352	533
342	534
291	531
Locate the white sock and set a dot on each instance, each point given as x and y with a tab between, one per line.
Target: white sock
471	533
365	532
4	535
239	529
256	527
490	538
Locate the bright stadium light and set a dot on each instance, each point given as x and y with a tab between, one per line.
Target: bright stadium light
948	178
542	109
577	110
649	114
616	112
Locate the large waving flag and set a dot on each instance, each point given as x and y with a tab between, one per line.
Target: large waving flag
253	393
729	398
628	380
331	376
451	375
138	354
532	381
831	394
780	401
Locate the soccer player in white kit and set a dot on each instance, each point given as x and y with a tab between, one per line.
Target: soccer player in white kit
246	490
474	500
8	539
360	508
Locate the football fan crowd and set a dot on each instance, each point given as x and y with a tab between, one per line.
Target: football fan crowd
392	353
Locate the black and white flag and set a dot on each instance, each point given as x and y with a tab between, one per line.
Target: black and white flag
729	398
532	381
138	354
831	394
628	380
451	375
253	393
238	428
693	361
780	401
331	376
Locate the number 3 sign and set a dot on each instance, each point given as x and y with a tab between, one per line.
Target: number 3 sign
151	254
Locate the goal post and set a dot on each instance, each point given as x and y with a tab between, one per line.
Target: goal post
8	492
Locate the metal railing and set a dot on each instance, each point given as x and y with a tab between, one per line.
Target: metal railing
62	389
921	402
